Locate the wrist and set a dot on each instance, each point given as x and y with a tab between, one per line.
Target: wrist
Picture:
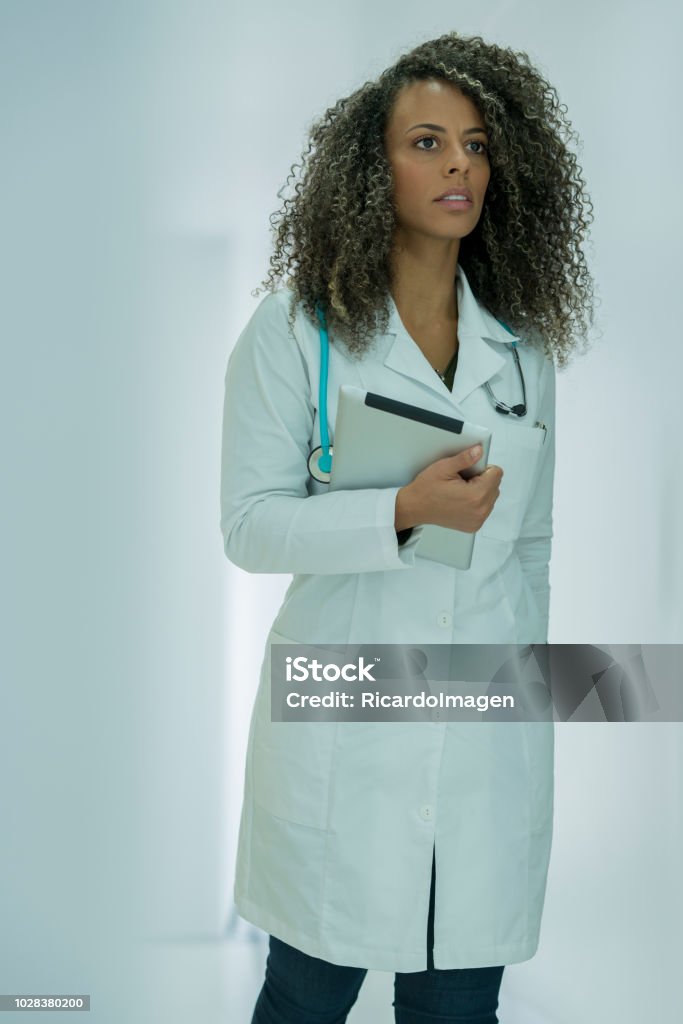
406	515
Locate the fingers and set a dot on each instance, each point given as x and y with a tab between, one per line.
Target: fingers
463	460
487	476
487	490
491	473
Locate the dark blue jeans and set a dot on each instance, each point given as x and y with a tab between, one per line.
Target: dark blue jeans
300	989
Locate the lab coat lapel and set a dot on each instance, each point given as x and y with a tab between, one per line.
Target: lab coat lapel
406	357
480	357
478	362
483	341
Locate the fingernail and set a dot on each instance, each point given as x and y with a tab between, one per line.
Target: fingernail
476	451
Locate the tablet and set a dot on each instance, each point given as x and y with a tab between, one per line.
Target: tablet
381	442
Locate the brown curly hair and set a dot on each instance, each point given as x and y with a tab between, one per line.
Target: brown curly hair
333	237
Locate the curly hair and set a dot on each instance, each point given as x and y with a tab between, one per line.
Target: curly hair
333	237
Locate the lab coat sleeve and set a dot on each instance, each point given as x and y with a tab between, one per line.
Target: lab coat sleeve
269	523
534	542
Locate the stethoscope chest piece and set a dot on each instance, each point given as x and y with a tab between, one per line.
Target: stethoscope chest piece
320	464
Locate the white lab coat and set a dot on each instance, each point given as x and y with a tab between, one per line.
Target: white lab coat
339	819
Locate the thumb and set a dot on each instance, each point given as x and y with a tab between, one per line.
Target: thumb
464	459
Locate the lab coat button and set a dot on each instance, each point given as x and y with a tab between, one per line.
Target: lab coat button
426	812
444	619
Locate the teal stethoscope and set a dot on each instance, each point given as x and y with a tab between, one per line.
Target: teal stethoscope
320	458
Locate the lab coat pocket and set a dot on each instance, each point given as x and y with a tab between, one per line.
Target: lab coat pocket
517	451
292	761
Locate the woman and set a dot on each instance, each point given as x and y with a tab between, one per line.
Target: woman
344	824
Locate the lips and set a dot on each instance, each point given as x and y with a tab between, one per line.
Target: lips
455	192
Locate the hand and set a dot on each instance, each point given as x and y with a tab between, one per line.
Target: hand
441	496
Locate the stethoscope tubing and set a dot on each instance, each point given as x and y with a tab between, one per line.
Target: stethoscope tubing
325	460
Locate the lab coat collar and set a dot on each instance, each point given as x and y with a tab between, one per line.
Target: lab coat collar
481	353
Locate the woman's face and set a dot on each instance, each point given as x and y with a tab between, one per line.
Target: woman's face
436	143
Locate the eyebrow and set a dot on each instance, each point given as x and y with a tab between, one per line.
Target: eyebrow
440	128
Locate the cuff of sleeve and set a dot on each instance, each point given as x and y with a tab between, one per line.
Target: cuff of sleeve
397	556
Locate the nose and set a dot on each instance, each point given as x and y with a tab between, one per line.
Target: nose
458	159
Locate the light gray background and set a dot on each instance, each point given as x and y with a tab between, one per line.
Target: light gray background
143	146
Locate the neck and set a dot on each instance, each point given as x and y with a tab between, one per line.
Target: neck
423	279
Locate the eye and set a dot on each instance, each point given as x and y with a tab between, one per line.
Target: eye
483	148
426	138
